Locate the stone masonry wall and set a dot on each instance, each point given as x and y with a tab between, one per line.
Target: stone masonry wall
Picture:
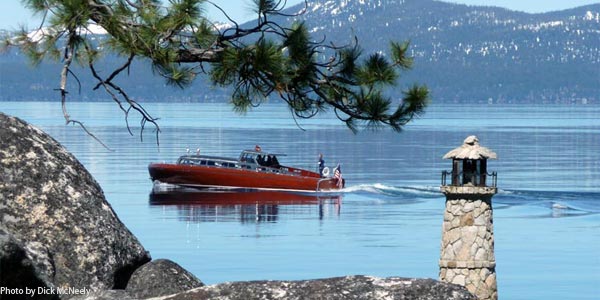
467	249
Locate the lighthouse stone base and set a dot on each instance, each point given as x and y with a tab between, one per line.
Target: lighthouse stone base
467	249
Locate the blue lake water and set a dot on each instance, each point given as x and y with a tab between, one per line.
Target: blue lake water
387	222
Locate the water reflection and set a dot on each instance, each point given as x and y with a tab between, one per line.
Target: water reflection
245	206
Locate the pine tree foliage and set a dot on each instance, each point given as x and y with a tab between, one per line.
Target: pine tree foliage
266	61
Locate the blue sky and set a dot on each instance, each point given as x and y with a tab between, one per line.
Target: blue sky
13	14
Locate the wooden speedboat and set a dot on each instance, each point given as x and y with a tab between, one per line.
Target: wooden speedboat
254	169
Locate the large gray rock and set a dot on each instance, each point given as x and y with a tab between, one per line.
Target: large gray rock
55	219
106	295
338	288
22	275
161	277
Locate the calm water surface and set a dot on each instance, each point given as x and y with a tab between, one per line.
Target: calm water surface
387	222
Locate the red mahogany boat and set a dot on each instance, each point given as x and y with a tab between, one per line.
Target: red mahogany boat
254	169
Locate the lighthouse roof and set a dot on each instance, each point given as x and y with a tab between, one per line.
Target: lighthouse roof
470	149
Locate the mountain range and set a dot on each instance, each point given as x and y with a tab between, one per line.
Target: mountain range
464	54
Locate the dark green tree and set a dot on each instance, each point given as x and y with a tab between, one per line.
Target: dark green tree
260	61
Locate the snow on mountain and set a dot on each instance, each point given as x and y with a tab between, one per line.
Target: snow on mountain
474	52
220	26
39	34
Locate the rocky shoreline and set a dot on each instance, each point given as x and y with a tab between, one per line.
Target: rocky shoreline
61	239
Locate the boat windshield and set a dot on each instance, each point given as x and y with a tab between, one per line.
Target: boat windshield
260	158
207	161
248	158
191	161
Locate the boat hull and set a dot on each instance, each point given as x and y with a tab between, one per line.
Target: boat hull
207	176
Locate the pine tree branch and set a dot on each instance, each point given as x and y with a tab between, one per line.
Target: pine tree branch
259	61
68	59
109	86
114	73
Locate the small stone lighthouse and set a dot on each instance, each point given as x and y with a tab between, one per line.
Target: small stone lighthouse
467	250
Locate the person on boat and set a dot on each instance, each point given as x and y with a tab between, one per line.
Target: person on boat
261	160
269	161
321	164
274	162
